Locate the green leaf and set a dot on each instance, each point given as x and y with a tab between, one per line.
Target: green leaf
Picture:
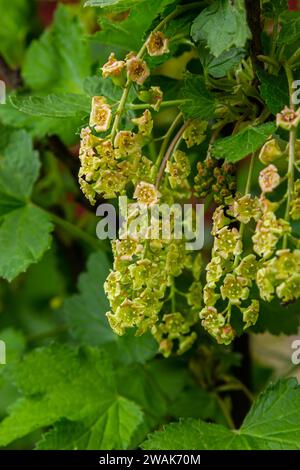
39	127
274	91
290	28
219	66
200	102
129	33
64	105
85	313
25	235
24	229
15	25
278	319
19	168
222	25
238	146
60	59
112	430
61	384
273	423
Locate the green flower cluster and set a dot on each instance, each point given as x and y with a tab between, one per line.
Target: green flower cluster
108	167
279	274
143	283
229	275
215	179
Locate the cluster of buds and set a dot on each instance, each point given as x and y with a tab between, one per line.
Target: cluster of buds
215	179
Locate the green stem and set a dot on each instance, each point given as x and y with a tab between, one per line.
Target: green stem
77	232
173	145
164	104
172	296
247	191
225	412
290	188
120	110
294	57
165	142
291	166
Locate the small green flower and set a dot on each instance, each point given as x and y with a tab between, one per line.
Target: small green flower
250	313
144	123
146	193
248	267
289	290
153	96
214	270
228	242
265	280
210	296
219	220
245	208
234	288
195	134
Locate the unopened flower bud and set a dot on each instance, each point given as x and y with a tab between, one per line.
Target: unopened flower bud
271	151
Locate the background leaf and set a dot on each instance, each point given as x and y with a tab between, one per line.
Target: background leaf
272	423
222	25
86	316
25	234
129	32
60	59
274	91
238	146
64	105
200	102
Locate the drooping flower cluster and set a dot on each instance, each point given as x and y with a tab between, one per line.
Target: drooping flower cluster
144	279
229	275
279	272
